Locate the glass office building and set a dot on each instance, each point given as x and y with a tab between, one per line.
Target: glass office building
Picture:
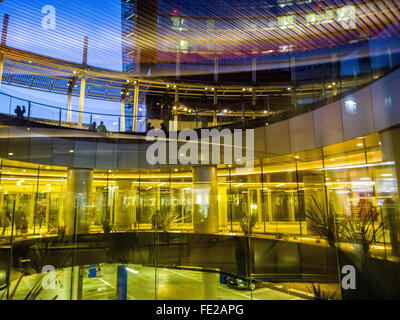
85	212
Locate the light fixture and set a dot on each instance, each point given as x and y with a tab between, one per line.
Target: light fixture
131	270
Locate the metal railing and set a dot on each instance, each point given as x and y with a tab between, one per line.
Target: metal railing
241	116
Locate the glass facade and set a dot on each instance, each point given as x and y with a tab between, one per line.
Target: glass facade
338	198
85	212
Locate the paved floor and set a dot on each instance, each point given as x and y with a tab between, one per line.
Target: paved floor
145	283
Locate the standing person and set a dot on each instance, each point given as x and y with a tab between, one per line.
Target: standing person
20	112
24	225
93	126
5	217
101	127
148	127
18	219
163	127
40	215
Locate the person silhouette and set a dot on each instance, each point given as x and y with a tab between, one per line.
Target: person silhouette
163	127
20	112
101	127
93	126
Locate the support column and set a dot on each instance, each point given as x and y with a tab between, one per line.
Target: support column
124	213
82	98
122	114
122	282
254	98
293	78
391	152
254	69
216	71
210	285
389	50
205	202
70	88
334	74
176	99
175	112
69	115
178	66
215	98
135	106
215	119
76	283
78	206
174	124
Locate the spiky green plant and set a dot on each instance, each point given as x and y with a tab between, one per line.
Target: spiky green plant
247	223
167	217
364	230
106	225
320	294
323	221
33	294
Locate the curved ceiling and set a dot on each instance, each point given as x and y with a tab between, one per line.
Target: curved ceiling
121	33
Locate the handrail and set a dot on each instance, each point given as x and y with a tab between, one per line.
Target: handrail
116	118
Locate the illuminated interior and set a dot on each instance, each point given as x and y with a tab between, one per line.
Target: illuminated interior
314	81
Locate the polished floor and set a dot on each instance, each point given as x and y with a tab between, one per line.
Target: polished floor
145	283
